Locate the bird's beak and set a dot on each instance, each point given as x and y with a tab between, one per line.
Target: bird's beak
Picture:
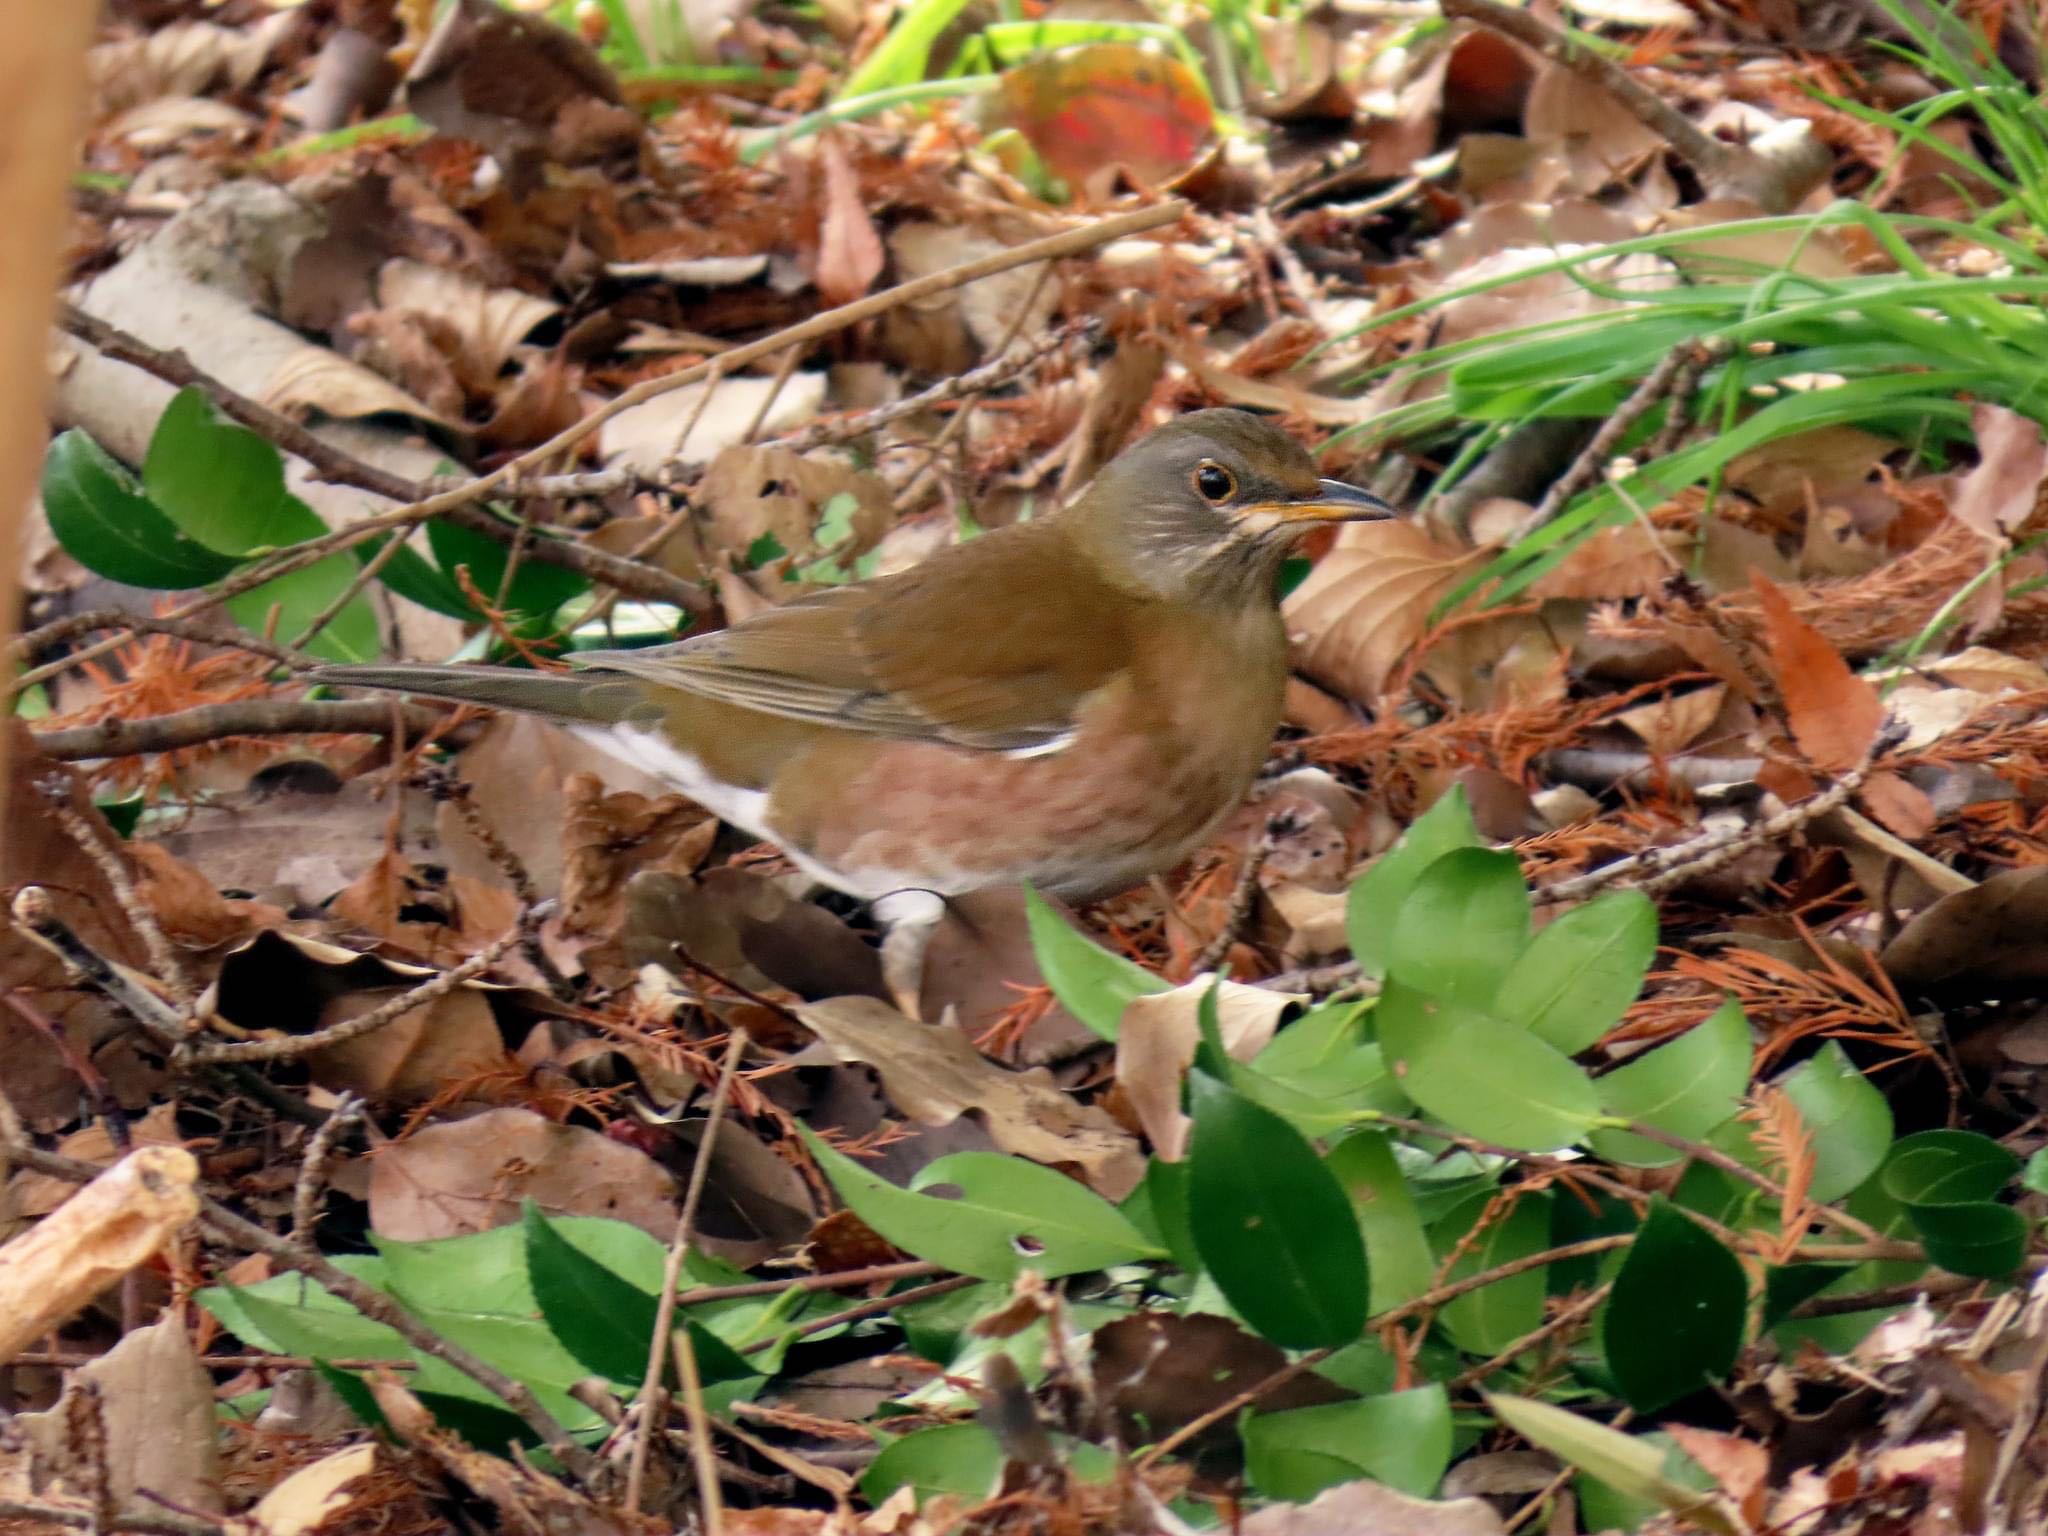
1334	502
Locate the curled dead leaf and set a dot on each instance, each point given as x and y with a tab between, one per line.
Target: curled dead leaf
1367	602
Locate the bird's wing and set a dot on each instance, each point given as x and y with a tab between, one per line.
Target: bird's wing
995	643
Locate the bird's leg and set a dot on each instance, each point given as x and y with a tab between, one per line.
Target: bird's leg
908	919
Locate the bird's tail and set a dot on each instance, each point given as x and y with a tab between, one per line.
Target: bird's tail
574	696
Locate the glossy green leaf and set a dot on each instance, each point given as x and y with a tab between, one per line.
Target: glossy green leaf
1462	926
413	577
98	513
1091	983
601	1318
1272	1223
1396	1247
1481	1075
1485	1321
1580	973
1674	1320
1402	1439
1011	1215
1375	899
1946	1181
303	595
220	483
960	1459
1848	1119
1686	1086
537	590
1788	1285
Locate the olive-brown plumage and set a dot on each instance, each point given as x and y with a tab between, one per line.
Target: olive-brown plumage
1074	702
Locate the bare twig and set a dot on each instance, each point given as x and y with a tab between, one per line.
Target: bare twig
57	790
1244	896
976	381
1473	1375
664	1316
237	717
348	1109
1726	167
73	625
35	915
1586	468
291	1047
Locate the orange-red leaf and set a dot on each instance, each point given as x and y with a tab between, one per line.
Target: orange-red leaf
1834	714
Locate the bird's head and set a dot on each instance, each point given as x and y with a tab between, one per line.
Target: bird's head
1210	504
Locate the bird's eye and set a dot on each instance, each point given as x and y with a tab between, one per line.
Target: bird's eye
1215	482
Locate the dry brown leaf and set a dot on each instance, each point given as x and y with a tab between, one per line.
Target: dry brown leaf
1604	142
1741	1467
1369	1506
1985	670
749	492
416	1055
849	251
152	1422
38	1194
608	838
1999	494
1627	561
1499	662
471	1175
315	379
1156	1042
487	323
314	1494
1674	722
1901	806
1367	602
933	1075
1834	714
188	906
650	436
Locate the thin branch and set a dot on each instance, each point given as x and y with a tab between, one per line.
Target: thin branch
73	625
665	1307
291	1047
348	1109
1723	166
237	717
112	863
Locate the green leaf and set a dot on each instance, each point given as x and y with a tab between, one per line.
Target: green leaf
1632	1466
220	483
1787	1285
1396	1248
537	590
1376	896
1945	1181
1091	983
1580	973
303	595
1011	1215
1849	1120
1481	1075
99	514
1686	1086
413	577
1272	1223
1485	1321
1402	1439
1674	1320
1462	926
961	1459
2035	1176
601	1318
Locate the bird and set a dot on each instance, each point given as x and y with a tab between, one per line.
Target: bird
1073	702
